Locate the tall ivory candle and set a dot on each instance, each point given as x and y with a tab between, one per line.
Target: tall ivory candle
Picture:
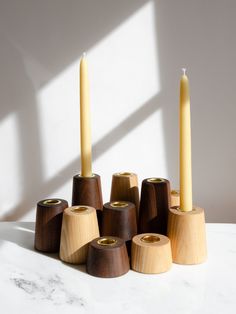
185	146
85	128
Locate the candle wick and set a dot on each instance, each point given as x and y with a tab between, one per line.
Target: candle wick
84	54
184	71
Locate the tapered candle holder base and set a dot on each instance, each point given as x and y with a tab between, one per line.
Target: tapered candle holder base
187	234
174	198
124	187
48	224
107	257
79	227
154	206
151	253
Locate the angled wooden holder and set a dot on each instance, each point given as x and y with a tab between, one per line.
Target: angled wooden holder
119	219
79	227
107	257
186	231
124	187
174	198
154	206
48	224
151	253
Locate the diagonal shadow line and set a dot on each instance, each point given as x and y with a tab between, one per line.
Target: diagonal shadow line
105	143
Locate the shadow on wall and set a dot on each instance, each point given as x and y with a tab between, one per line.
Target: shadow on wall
193	34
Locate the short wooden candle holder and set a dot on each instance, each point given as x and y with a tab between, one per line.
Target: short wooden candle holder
107	257
174	198
48	224
124	187
119	219
186	231
154	206
151	253
79	227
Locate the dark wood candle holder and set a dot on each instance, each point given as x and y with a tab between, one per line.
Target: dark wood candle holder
124	187
154	206
107	257
48	224
119	219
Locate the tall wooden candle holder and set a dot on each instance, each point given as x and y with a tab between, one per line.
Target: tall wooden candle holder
174	198
154	206
79	227
186	231
124	187
48	224
107	257
151	253
119	219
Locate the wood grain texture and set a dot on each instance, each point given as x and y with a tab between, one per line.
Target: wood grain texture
87	191
151	253
154	206
186	231
119	219
124	187
174	198
79	227
48	224
107	260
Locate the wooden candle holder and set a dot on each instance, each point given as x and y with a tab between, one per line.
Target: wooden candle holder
79	227
107	257
119	219
124	187
48	224
174	198
154	206
151	253
186	231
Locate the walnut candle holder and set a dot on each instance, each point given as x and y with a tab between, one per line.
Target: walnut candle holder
124	187
48	224
154	206
151	253
79	227
107	257
187	234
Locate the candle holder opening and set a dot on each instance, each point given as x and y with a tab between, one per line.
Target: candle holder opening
150	239
183	211
174	192
125	174
155	180
119	204
107	241
52	202
79	209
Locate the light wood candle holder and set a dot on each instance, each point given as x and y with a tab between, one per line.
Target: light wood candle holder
151	253
174	198
79	227
154	206
107	257
186	231
48	224
124	187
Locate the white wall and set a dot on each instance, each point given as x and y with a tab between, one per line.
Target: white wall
135	52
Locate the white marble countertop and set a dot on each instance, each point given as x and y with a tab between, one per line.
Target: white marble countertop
31	282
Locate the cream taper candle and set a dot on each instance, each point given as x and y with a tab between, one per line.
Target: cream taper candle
85	128
185	146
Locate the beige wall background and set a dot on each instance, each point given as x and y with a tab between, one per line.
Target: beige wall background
135	52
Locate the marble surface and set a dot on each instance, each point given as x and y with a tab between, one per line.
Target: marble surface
35	283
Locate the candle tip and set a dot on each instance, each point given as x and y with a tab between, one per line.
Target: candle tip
84	54
184	71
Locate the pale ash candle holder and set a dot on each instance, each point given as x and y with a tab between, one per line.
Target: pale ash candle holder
174	198
187	234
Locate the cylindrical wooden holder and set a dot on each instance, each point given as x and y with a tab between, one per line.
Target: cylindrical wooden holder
174	198
154	206
119	219
186	231
48	224
107	257
79	227
124	187
151	253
